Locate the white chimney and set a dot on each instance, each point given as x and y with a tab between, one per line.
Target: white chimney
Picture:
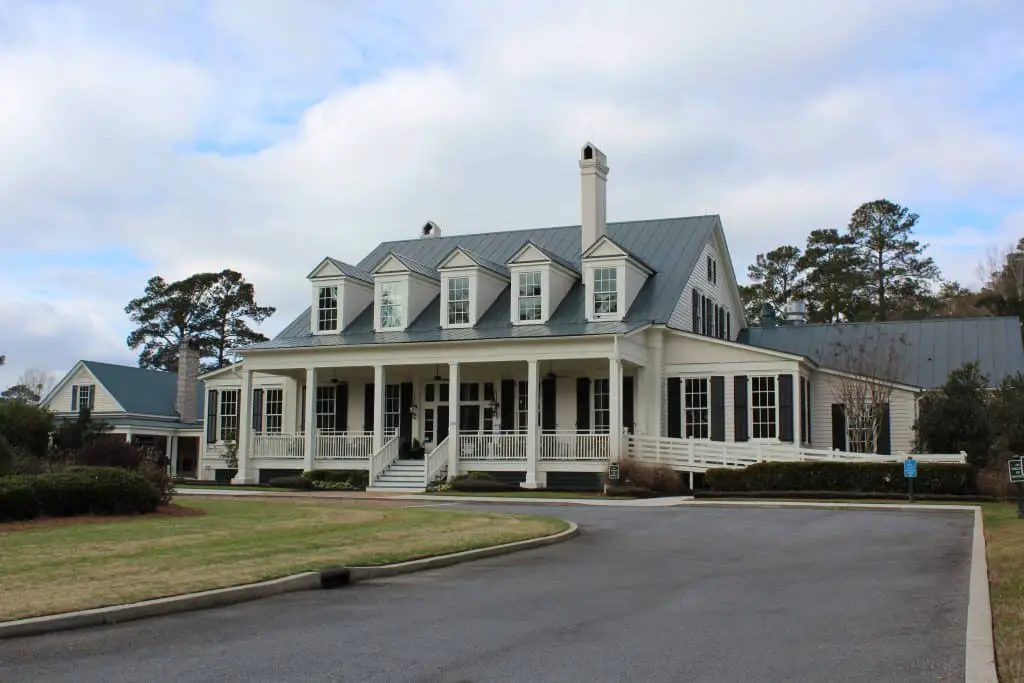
430	229
594	172
187	399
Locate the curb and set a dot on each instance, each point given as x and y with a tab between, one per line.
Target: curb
220	597
979	659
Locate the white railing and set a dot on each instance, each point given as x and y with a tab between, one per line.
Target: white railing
571	446
344	446
435	463
502	447
383	459
695	455
278	446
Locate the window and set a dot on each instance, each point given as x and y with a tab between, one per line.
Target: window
229	414
606	296
326	401
83	397
523	406
392	408
327	309
859	428
458	300
275	411
428	425
695	408
711	277
602	407
529	296
390	305
764	420
714	272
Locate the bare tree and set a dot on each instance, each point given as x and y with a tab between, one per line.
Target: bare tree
870	364
39	381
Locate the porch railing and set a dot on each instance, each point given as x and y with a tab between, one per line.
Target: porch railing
572	446
500	447
436	461
282	446
344	446
383	459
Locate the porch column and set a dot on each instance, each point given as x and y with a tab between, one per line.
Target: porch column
309	440
172	454
533	429
614	407
129	435
453	419
798	410
378	407
244	474
656	375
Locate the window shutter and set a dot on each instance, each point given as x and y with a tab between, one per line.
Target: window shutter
405	412
675	407
257	410
728	325
548	404
718	408
508	405
74	398
302	410
341	407
709	314
92	396
583	404
786	408
838	426
884	432
211	416
740	427
696	311
368	393
628	418
803	410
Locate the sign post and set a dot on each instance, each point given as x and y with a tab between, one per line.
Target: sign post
613	471
1016	466
910	474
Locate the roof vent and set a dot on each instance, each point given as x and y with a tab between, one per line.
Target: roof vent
796	312
430	229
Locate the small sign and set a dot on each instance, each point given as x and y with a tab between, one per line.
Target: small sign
910	468
1017	470
613	471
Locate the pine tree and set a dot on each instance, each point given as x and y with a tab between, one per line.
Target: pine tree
834	279
777	277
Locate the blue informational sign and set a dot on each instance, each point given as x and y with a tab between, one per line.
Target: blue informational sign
910	468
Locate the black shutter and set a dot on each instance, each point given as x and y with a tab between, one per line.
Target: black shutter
628	419
257	410
884	432
740	427
548	404
718	408
786	408
74	398
718	321
302	411
583	404
368	394
696	310
838	426
508	405
341	407
803	410
675	407
92	396
405	412
728	325
211	416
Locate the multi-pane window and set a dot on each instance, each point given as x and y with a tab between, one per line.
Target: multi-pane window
764	411
529	296
327	309
602	406
606	296
696	408
859	432
229	414
523	406
274	411
326	404
458	300
85	397
392	408
390	305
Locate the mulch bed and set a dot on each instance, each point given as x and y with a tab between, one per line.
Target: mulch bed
172	510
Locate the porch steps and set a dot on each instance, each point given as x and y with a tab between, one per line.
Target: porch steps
403	475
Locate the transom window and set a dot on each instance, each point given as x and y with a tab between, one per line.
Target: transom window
390	305
458	300
229	414
529	296
764	410
274	410
327	309
695	408
602	406
606	296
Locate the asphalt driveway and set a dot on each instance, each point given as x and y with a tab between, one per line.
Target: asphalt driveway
677	594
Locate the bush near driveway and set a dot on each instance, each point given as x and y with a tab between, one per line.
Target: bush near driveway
76	491
863	477
341	480
645	480
292	482
479	482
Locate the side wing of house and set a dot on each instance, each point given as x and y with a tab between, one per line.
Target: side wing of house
829	427
80	389
710	304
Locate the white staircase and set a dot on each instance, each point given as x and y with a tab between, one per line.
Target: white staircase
401	476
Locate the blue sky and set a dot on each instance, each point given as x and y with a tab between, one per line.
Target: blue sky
173	136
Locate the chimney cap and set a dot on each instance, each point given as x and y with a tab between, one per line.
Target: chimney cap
430	229
591	155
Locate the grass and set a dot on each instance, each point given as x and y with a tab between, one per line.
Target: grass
1004	535
526	493
79	564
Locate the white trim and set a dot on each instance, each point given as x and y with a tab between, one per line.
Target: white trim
737	345
850	375
71	373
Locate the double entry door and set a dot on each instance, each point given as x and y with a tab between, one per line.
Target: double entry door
477	401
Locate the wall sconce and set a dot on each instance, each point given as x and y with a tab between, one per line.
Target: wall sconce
412	410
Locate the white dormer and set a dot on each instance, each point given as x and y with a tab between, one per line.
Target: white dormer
612	278
340	293
469	285
402	289
539	282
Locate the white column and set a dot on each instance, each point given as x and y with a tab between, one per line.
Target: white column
453	419
656	383
533	428
615	407
309	439
129	435
172	454
245	473
379	378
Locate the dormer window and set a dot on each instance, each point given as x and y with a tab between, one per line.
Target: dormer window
530	302
613	278
327	309
391	305
606	292
458	300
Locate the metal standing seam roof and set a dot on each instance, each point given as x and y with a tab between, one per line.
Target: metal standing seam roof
348	270
479	260
933	347
671	247
415	266
141	391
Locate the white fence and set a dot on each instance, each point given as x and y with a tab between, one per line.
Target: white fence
282	446
497	447
346	446
573	447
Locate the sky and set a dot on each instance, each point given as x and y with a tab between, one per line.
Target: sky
177	136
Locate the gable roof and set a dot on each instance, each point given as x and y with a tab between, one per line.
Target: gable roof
346	269
605	238
479	260
933	347
669	246
410	263
551	256
140	391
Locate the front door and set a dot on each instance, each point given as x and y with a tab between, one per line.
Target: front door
435	414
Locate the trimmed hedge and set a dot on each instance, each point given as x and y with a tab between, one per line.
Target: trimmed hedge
354	479
480	482
862	477
294	482
77	491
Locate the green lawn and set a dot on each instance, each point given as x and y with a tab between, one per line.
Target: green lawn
527	493
47	568
1004	534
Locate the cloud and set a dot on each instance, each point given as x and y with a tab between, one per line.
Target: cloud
231	134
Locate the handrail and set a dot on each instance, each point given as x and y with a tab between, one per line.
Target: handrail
383	459
436	461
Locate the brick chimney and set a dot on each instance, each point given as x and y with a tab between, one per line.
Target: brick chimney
187	400
594	172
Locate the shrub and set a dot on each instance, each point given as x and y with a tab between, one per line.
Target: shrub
293	482
77	491
618	490
17	500
863	477
110	451
480	485
159	479
660	479
6	456
26	426
339	479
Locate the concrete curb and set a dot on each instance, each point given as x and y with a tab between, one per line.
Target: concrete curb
980	657
220	597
